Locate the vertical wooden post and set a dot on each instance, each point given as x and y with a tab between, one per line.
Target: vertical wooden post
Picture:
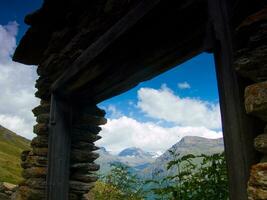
237	126
59	150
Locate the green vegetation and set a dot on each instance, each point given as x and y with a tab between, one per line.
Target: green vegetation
201	177
119	184
11	145
207	180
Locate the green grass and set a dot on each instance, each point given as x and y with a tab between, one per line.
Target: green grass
11	146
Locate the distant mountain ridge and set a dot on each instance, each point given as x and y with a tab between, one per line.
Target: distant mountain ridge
187	145
149	163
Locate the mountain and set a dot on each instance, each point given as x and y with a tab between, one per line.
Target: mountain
134	152
187	145
133	157
11	145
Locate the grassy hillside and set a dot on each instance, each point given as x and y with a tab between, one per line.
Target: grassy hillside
11	145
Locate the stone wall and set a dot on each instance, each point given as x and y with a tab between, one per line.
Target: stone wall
7	191
85	128
251	62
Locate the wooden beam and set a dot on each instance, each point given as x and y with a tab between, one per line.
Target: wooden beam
238	128
105	40
59	150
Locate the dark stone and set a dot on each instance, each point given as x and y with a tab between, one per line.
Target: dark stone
41	109
85	167
78	187
40	141
40	151
90	119
34	172
41	129
24	154
89	128
43	118
83	136
86	178
34	161
85	146
36	183
83	156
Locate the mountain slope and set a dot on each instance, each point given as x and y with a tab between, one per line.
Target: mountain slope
11	145
187	145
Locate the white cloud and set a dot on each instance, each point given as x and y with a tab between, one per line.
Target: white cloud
16	86
184	85
114	112
125	132
164	105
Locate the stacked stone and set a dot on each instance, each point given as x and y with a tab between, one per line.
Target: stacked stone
256	104
84	133
7	190
34	162
251	62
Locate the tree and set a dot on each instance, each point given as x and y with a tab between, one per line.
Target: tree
206	180
119	184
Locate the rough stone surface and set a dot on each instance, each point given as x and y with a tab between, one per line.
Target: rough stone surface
41	129
257	185
34	172
260	143
256	100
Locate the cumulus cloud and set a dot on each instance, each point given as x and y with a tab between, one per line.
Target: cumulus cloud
163	104
184	85
16	86
114	112
125	132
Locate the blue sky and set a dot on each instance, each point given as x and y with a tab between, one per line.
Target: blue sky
199	73
153	116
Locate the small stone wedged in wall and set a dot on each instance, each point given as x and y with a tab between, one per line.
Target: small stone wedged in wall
256	100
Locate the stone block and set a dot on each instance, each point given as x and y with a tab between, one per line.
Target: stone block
40	151
256	100
257	185
252	63
41	129
39	141
43	118
82	156
85	167
41	109
34	172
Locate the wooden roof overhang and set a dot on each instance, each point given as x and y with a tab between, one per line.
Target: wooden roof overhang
152	37
143	40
